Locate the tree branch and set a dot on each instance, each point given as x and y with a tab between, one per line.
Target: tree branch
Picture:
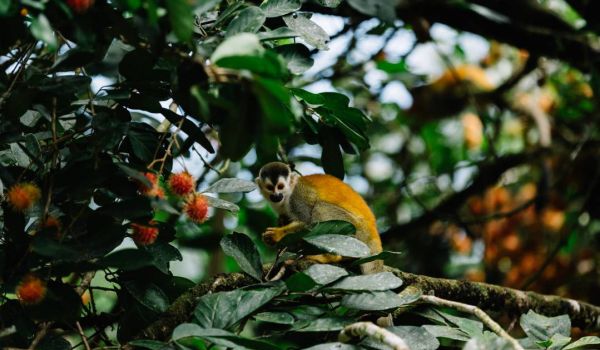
475	311
368	329
504	299
484	296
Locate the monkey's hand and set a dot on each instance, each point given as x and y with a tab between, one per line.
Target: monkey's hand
275	234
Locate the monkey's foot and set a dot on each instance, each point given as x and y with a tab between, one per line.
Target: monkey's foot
273	235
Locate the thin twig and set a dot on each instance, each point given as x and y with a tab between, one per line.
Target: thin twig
83	337
368	329
477	312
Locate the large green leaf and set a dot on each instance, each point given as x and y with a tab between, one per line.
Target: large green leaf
375	282
297	57
372	301
308	30
276	8
582	342
487	340
244	251
225	309
182	21
542	328
339	245
148	294
275	317
249	20
42	30
332	227
323	324
324	274
383	9
243	44
186	333
230	185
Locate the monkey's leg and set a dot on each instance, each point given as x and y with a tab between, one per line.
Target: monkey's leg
275	234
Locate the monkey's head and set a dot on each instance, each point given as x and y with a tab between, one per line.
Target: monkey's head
276	182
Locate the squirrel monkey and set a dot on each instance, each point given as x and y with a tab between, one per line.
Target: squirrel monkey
305	200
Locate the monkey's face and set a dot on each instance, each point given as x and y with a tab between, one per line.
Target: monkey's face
275	181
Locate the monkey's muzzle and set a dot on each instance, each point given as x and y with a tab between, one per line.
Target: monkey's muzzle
276	198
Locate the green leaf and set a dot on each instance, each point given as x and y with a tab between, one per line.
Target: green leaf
148	344
148	294
297	57
447	332
372	301
379	256
392	68
243	44
313	100
137	64
277	8
333	227
471	327
244	251
339	245
582	342
308	30
4	7
268	64
187	334
278	33
300	282
248	20
323	324
331	158
127	259
410	294
487	340
558	341
382	9
275	317
180	15
329	3
225	309
230	185
274	99
375	282
72	60
334	346
222	204
324	274
42	30
417	338
542	328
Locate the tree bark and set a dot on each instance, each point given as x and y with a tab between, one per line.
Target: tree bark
485	296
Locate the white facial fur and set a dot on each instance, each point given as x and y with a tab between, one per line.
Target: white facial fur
284	187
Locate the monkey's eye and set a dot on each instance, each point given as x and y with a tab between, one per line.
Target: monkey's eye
270	187
280	187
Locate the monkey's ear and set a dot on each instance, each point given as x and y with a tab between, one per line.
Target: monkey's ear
258	181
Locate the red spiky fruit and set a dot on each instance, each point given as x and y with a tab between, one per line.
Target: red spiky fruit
31	290
182	183
144	234
196	208
154	190
23	196
80	6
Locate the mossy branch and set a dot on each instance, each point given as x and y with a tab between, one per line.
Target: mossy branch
485	296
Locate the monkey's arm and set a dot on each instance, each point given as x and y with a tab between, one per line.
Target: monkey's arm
275	234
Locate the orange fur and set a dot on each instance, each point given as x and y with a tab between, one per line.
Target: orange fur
332	190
